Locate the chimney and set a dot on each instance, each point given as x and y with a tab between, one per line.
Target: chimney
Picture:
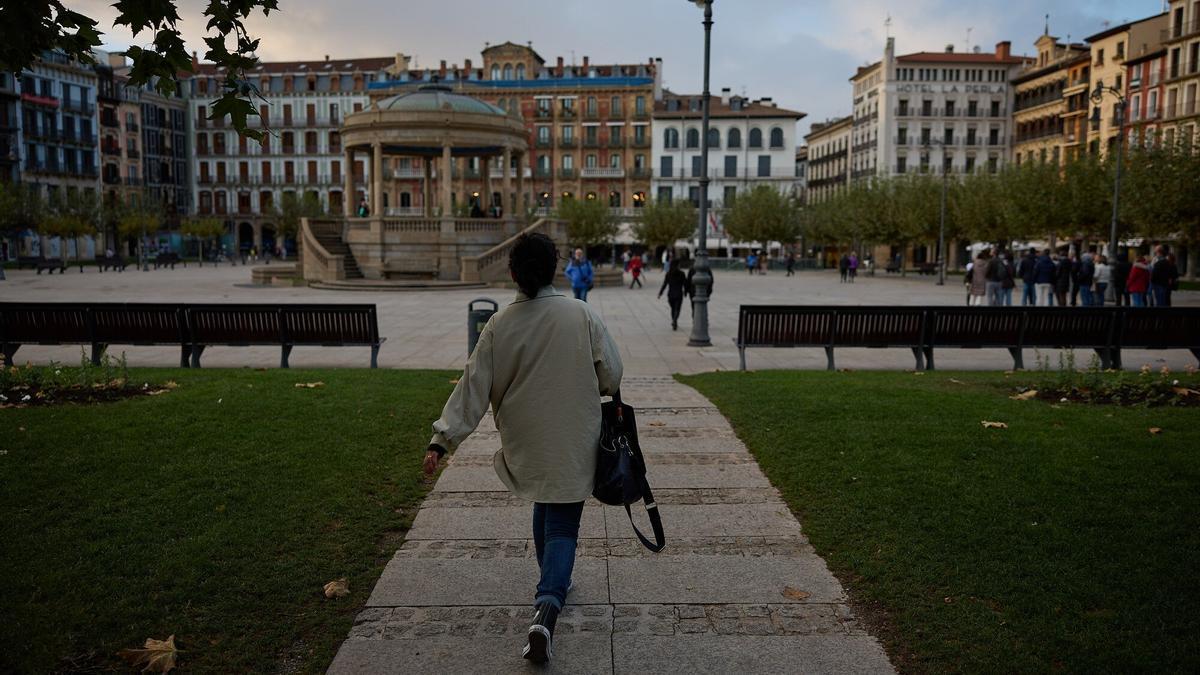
725	95
558	71
1003	50
327	58
467	66
585	63
195	62
442	69
950	48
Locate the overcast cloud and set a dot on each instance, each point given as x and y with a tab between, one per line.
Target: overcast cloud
799	52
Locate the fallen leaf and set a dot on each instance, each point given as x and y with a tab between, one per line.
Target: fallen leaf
156	392
955	381
170	384
918	372
993	425
454	381
20	428
656	424
1025	396
337	588
947	599
795	593
1154	431
158	656
309	385
1184	391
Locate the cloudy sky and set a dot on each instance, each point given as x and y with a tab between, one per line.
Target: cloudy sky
799	52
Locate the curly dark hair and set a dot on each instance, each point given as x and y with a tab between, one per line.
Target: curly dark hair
533	261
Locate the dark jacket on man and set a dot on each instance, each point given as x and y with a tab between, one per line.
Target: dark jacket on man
1027	270
1063	274
1044	270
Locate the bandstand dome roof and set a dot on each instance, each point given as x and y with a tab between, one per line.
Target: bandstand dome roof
437	98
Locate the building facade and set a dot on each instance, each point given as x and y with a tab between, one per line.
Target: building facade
57	138
1144	94
120	115
1181	39
10	128
750	143
828	158
165	163
1110	50
946	109
1039	103
801	185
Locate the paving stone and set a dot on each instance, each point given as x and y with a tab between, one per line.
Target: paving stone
719	579
439	582
576	653
709	520
703	476
748	654
495	522
472	479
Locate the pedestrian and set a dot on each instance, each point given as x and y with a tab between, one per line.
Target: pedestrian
666	257
675	283
1062	279
994	276
1163	274
545	360
1173	277
581	274
752	263
791	264
645	262
625	259
1085	278
844	267
635	271
853	264
1139	282
1074	278
1009	282
363	209
1103	279
1043	279
979	280
1027	270
1120	275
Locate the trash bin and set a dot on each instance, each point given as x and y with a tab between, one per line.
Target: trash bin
477	319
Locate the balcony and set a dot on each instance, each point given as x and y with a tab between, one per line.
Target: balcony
641	172
567	114
602	172
80	107
112	179
544	113
591	142
131	126
110	121
46	101
642	142
591	114
641	114
618	142
566	142
133	180
543	143
132	153
45	134
567	174
543	173
903	112
110	149
1180	31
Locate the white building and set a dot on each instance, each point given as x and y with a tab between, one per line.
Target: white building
750	143
945	109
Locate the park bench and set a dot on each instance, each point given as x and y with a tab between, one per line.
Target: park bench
52	264
927	268
164	259
42	324
30	261
285	325
1106	330
830	327
115	262
892	267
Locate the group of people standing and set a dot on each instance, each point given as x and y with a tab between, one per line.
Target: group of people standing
848	267
1065	279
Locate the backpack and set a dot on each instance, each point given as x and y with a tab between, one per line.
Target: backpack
621	470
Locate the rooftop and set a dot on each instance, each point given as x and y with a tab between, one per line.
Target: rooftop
690	106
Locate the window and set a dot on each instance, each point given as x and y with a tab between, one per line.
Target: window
927	107
589	162
734	139
731	166
666	166
614	199
508	71
591	106
950	108
693	138
730	195
639	105
926	136
614	107
970	165
664	193
694	195
902	136
764	166
995	108
543	134
568	162
993	164
696	169
948	136
568	134
901	164
776	138
520	71
714	138
670	138
614	161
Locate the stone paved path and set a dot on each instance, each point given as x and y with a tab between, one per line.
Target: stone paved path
456	597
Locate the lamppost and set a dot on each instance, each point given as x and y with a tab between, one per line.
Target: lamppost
702	279
941	250
1098	98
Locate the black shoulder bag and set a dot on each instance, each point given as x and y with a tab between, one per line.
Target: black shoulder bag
621	470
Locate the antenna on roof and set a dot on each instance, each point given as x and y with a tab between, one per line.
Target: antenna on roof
967	46
887	26
1047	30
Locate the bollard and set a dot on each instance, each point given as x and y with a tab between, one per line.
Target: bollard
476	320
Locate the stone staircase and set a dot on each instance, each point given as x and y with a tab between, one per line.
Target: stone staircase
330	238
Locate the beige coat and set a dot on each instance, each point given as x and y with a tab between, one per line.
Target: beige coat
542	364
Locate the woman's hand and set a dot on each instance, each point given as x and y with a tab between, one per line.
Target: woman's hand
431	462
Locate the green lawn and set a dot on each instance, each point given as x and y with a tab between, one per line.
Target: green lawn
1068	541
215	512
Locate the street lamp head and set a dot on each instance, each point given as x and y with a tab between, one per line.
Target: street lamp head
700	3
1098	93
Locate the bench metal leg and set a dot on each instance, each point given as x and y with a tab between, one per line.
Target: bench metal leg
1115	356
185	356
741	358
283	357
829	358
9	351
1105	359
98	352
929	358
197	350
375	356
1018	359
920	358
1195	353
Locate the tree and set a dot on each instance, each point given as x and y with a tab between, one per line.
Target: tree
763	215
665	222
588	222
30	27
203	229
21	208
71	218
292	208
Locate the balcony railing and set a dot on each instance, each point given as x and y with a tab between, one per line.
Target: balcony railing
1179	110
566	173
591	142
602	172
1180	31
543	143
567	114
81	107
131	153
109	149
106	121
544	113
618	142
566	142
641	172
543	173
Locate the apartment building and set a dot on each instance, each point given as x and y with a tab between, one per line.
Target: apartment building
1144	93
750	143
165	158
120	114
1181	40
1110	50
10	129
801	186
948	109
1039	103
57	138
828	158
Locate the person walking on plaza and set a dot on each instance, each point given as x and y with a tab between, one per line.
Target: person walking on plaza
752	263
1027	270
1103	279
844	267
676	284
625	259
1085	278
1043	279
1120	275
1009	282
852	263
542	363
979	279
1163	275
791	264
1139	282
581	274
994	274
1062	279
1074	278
635	271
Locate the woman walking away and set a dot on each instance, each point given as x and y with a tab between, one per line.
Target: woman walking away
978	280
543	362
844	267
675	283
1139	282
1103	279
1043	279
1064	271
635	271
853	263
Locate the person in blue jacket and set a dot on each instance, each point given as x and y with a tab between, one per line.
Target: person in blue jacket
1043	279
582	277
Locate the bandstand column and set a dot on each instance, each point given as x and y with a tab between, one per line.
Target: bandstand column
377	179
446	181
506	194
520	200
486	169
348	182
427	188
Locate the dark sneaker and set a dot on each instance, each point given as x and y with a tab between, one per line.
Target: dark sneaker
540	647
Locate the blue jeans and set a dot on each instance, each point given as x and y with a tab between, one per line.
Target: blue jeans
1007	294
580	293
1098	296
1028	295
555	534
1159	295
1138	299
1085	294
